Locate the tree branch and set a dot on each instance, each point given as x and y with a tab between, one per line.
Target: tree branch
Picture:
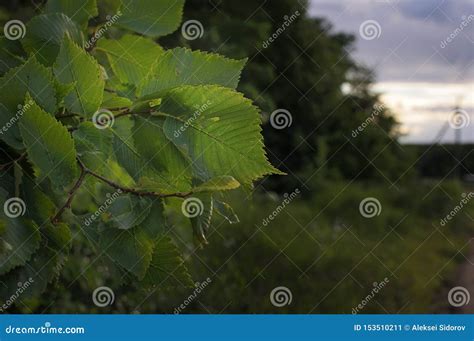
71	194
85	171
132	190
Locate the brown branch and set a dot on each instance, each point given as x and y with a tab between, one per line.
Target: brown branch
132	190
71	194
85	171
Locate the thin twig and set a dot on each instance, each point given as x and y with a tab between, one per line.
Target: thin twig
132	190
85	171
71	194
5	165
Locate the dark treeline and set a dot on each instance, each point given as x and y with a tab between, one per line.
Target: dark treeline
448	160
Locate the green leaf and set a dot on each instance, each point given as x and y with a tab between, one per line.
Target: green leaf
79	11
39	206
221	137
201	218
226	211
11	54
181	66
93	145
49	146
154	225
219	183
128	211
169	170
132	249
167	267
31	77
45	34
124	150
131	57
43	267
151	18
74	65
140	149
113	101
19	241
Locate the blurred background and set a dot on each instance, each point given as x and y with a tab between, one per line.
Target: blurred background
368	107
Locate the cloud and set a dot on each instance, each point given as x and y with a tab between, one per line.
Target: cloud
410	44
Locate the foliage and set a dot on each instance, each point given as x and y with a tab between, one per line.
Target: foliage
312	257
309	71
96	142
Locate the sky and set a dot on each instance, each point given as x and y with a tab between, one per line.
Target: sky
422	52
